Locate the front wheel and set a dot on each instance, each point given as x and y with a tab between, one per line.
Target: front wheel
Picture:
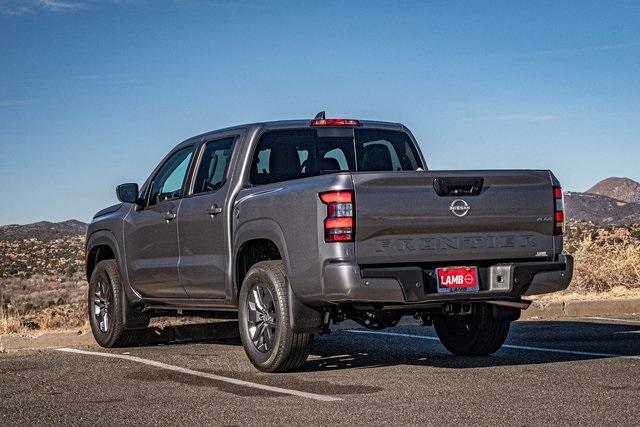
477	334
105	307
265	330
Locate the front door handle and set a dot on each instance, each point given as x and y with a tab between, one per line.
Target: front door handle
170	216
214	210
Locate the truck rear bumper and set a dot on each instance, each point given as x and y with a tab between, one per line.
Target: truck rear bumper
346	282
546	282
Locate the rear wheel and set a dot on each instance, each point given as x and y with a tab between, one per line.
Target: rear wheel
265	330
477	334
105	307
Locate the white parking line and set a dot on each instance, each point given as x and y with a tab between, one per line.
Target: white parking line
339	356
214	377
517	347
613	319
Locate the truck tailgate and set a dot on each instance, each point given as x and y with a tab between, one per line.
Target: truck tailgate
421	217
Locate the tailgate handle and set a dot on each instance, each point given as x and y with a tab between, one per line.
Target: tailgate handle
458	186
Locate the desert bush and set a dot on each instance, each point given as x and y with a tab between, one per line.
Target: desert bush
40	292
42	303
57	317
62	316
30	257
9	321
606	258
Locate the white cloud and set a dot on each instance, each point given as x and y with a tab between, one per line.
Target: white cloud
534	117
21	102
584	49
22	7
57	5
518	117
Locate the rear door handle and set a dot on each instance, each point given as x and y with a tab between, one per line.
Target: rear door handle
214	210
170	216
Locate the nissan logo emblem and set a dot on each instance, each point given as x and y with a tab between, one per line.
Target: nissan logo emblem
459	207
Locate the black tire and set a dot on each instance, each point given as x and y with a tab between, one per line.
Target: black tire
288	350
105	294
478	334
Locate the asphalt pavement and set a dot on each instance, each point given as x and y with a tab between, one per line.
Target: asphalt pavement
568	372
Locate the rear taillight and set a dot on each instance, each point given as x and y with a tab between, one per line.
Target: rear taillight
338	225
334	122
558	215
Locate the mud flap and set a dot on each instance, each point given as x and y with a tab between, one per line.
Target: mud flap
303	318
132	315
510	314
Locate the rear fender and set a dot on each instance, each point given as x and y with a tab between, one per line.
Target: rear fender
302	318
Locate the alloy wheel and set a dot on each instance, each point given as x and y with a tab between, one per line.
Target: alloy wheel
261	319
103	305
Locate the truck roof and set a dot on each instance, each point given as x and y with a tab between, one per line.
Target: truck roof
288	124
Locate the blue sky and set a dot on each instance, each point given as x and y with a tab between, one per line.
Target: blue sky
93	93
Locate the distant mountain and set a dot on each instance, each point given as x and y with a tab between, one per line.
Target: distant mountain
43	230
600	210
624	189
612	201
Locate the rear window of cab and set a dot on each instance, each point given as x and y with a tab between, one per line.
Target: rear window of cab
298	153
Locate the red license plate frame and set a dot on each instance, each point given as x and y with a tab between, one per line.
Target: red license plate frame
458	279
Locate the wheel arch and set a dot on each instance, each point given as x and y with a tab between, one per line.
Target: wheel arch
101	245
261	233
264	233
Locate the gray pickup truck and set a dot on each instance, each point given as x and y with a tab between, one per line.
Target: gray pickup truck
294	225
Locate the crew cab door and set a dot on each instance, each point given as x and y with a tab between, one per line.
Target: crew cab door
201	224
151	233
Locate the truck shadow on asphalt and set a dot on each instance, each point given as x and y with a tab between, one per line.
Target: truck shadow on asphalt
343	349
362	350
225	332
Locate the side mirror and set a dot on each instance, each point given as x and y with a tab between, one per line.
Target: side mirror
128	193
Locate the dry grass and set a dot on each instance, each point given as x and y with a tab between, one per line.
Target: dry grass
9	322
39	292
40	303
65	316
606	258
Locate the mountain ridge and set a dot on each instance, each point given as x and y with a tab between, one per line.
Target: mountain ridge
623	189
612	201
42	230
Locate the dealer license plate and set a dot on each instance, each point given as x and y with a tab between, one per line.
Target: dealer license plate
457	279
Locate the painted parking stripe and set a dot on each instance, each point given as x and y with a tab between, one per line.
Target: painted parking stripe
304	394
613	319
517	347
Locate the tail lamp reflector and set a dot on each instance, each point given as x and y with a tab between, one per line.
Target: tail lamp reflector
558	216
338	225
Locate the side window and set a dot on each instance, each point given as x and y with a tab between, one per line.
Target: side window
213	166
386	150
383	150
169	181
283	155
